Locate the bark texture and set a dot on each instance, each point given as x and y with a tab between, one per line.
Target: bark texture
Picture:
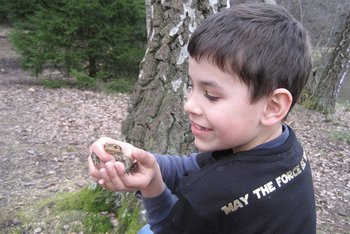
156	121
324	97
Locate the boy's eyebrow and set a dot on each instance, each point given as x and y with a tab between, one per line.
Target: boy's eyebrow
210	83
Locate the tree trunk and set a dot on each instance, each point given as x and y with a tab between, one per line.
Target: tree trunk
92	66
237	2
156	120
324	97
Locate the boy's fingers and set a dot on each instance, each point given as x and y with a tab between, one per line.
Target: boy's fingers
133	181
120	168
130	181
100	182
145	158
94	172
114	177
98	149
107	183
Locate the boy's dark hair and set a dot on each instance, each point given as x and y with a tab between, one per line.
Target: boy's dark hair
261	43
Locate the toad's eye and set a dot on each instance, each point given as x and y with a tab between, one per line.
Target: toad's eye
116	147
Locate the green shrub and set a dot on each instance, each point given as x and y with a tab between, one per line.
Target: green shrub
95	223
129	216
99	38
88	210
91	200
120	85
17	10
340	135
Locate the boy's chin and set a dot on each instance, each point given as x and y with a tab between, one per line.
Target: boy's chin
207	147
200	147
203	147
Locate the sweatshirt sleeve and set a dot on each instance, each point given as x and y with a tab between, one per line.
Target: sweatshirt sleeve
173	168
158	209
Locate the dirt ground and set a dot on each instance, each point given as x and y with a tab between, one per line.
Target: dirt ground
45	134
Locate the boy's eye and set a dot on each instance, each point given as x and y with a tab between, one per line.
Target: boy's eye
210	97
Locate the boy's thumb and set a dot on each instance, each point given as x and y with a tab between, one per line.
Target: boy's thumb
120	168
143	157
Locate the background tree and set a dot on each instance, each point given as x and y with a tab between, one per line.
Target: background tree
17	10
324	96
99	38
156	120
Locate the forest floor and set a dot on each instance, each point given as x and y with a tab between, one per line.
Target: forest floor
45	134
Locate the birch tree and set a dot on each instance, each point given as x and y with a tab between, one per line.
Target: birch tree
324	96
156	120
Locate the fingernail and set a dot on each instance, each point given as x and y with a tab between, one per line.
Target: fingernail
101	182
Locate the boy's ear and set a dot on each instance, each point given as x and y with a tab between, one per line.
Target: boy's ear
277	107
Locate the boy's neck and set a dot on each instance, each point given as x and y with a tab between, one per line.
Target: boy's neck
266	134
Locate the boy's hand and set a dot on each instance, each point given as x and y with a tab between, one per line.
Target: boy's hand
147	178
98	149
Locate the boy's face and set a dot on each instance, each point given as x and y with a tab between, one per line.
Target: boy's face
220	111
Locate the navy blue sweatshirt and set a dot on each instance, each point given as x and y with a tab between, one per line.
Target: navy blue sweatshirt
264	190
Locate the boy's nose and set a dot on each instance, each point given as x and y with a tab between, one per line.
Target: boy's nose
191	106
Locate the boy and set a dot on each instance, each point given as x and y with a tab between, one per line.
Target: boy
247	67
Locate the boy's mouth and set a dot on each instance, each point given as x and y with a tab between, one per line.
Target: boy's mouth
197	129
